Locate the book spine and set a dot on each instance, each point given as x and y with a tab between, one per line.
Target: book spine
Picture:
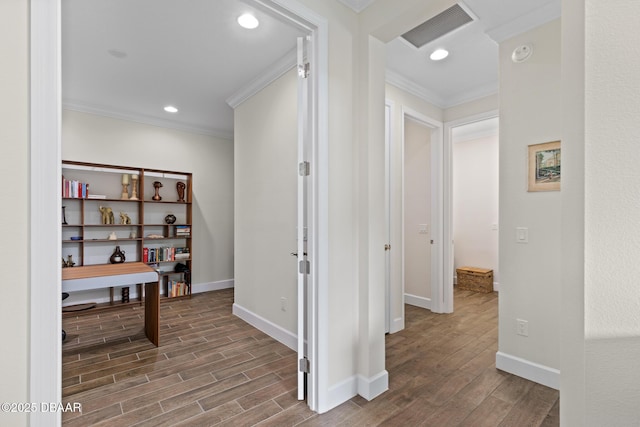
145	254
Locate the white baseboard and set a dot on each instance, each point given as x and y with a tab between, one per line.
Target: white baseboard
340	393
417	301
535	372
370	388
397	325
212	286
274	331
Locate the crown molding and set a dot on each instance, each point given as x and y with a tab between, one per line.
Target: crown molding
426	95
357	5
275	71
546	13
115	113
413	88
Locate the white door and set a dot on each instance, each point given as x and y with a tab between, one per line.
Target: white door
304	141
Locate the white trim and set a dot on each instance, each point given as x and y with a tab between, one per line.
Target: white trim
529	21
45	330
447	173
417	301
340	393
397	324
372	387
273	73
115	113
441	297
432	98
276	332
357	5
496	287
531	371
212	286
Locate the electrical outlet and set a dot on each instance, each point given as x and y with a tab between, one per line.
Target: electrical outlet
283	304
522	327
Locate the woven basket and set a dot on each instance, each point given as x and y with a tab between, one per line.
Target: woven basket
475	279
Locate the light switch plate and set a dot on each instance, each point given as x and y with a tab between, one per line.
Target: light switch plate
522	235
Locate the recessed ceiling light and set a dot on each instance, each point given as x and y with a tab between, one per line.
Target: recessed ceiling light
439	54
248	21
170	109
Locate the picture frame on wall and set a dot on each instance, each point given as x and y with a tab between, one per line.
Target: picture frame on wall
544	166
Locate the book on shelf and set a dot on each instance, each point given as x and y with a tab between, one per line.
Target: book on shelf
96	196
73	189
177	288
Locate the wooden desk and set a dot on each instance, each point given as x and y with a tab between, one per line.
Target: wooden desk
104	276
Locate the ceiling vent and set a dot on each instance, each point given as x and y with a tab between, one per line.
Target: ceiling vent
441	24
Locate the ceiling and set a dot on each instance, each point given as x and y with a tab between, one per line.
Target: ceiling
128	59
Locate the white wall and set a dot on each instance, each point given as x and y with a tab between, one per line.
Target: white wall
417	210
530	113
475	203
14	174
266	152
99	139
612	207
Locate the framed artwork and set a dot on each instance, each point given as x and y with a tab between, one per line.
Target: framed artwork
544	166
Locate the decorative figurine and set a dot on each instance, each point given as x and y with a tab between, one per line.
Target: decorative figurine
107	214
124	218
69	262
180	186
125	294
125	187
157	185
134	187
64	216
170	219
132	235
117	257
112	236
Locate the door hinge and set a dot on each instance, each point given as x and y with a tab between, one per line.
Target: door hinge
303	365
305	267
304	169
387	247
304	70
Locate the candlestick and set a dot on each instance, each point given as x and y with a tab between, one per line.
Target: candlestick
125	178
134	187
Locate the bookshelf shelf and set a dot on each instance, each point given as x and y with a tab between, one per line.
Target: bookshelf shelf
89	242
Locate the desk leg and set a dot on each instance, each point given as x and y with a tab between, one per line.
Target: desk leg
152	312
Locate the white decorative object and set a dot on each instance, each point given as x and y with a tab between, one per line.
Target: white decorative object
113	236
522	53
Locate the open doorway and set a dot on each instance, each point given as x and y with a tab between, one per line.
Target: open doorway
474	148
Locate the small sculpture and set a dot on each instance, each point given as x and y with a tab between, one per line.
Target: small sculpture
157	185
180	186
64	216
117	257
124	218
69	262
107	215
170	219
112	236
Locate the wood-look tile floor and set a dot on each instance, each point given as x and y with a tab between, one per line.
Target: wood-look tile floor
214	369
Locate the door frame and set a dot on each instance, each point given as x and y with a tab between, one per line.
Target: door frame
439	294
448	255
45	370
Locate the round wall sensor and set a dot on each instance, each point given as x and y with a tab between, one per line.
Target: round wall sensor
522	53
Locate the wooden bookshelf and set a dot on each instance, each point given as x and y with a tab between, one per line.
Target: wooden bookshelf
91	242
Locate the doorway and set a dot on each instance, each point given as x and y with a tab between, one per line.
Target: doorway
414	236
475	195
45	148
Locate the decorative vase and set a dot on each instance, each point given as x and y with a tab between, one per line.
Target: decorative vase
180	187
170	219
157	185
117	257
